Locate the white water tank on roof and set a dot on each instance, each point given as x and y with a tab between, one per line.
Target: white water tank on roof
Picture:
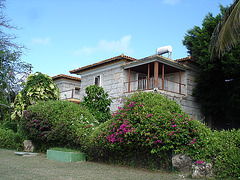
164	49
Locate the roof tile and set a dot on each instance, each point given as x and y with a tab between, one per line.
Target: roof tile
66	76
122	56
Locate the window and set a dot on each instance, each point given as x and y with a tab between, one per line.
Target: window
77	90
142	82
97	81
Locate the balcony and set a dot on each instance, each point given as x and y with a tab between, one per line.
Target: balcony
148	84
72	95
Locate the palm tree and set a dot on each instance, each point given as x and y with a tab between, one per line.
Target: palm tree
226	33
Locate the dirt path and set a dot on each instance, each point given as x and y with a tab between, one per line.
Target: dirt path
38	167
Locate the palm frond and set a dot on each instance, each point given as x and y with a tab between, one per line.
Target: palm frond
226	34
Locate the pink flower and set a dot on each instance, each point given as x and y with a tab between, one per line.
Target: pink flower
200	162
149	115
174	125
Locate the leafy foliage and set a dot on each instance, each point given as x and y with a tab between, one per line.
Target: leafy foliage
13	71
227	149
9	139
98	102
39	87
152	124
218	82
57	123
226	33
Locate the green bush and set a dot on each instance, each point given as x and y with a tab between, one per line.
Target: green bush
57	123
10	125
152	124
8	139
98	102
226	156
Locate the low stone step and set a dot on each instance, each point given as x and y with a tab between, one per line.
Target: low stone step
26	154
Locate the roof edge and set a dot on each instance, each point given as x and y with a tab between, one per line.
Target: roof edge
101	63
59	76
158	58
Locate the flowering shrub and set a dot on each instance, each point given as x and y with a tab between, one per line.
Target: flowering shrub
154	124
149	126
57	123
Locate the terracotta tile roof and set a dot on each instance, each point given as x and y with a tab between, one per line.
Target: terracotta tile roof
66	77
104	62
156	57
189	58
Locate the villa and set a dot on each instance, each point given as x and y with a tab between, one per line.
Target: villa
122	75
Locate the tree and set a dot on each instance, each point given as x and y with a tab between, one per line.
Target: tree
218	82
97	102
226	34
39	87
13	71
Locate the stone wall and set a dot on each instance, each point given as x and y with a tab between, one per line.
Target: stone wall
187	101
65	87
112	79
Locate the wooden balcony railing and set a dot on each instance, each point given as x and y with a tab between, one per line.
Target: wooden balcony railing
70	94
143	84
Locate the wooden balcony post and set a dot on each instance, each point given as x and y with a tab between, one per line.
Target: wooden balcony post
148	77
72	92
156	74
162	76
129	78
180	82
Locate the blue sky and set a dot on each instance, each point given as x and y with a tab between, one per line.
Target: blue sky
64	35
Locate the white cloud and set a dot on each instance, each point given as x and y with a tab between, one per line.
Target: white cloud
41	41
171	2
119	46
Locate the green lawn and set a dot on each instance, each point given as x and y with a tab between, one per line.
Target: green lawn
38	167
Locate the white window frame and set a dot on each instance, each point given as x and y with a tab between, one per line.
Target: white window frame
100	80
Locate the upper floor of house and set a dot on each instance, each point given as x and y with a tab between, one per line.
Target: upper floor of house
123	74
69	87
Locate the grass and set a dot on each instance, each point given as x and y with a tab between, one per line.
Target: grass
39	167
